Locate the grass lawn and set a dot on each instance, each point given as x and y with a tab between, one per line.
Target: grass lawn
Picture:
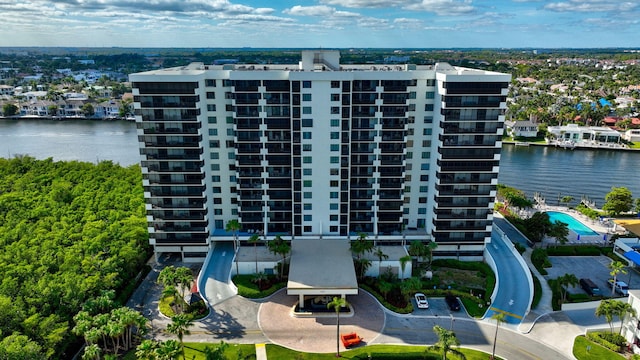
595	352
376	351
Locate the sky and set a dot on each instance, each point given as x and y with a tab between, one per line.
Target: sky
322	23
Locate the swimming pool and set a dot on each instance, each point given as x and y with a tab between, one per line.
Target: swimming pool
574	225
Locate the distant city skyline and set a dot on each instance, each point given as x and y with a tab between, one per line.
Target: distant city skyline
322	23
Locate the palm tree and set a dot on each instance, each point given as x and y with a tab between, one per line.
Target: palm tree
91	352
147	349
337	303
179	326
255	239
409	286
616	267
622	309
403	264
499	318
566	280
233	226
446	341
168	350
607	309
380	255
280	247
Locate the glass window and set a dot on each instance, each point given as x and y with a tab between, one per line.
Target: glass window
428	107
306	159
335	84
426	154
231	132
229	119
306	135
335	110
335	122
307	195
334	171
428	119
307	122
217	211
212	120
307	183
213	132
306	110
215	167
424	167
307	172
335	147
306	229
422	211
335	159
431	94
215	178
232	155
211	95
424	189
335	135
422	200
333	195
335	97
306	84
333	217
308	206
211	107
217	201
306	97
308	217
306	147
427	131
333	183
210	82
232	178
214	156
334	206
217	189
431	82
214	144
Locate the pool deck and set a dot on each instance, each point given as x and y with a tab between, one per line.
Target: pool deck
606	227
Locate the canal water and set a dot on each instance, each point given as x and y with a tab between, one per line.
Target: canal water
550	171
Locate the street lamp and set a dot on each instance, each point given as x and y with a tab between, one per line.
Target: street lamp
452	321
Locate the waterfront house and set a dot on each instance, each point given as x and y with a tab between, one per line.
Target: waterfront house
632	135
584	134
109	109
521	128
7	90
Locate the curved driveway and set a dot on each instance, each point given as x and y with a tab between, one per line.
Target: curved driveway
513	296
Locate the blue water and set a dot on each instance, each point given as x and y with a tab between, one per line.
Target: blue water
574	225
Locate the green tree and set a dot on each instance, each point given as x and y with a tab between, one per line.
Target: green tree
255	239
499	318
9	110
179	326
447	343
87	110
622	310
564	282
617	267
559	231
216	353
147	349
410	286
337	303
618	201
403	263
607	308
280	247
566	200
169	350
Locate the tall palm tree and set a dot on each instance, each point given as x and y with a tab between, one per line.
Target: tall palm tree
282	248
446	341
91	352
179	326
607	309
622	309
255	239
617	267
563	281
337	303
499	318
147	349
169	350
233	226
403	264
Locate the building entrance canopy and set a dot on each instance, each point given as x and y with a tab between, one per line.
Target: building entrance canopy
321	267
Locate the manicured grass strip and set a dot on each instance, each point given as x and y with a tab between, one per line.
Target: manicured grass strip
382	352
595	352
249	289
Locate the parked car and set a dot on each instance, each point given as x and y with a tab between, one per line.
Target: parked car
452	302
620	287
421	301
590	287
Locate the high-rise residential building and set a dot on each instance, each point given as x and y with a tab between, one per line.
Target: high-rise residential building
320	150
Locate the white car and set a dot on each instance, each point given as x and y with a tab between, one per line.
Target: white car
421	301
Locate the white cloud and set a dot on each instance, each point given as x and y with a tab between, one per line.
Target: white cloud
444	7
592	6
370	3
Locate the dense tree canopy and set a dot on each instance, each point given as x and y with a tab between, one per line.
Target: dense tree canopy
68	231
618	201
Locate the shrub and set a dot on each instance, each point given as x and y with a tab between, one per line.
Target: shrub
540	260
521	248
611	341
579	250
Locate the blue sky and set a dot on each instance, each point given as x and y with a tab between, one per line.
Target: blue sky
321	23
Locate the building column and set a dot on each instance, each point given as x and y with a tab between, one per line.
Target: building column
301	301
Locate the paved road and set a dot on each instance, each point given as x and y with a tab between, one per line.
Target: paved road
216	279
513	297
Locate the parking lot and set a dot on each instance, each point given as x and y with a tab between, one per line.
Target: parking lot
438	307
592	267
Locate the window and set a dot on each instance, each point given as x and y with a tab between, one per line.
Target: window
422	211
335	97
306	229
335	147
307	122
234	211
214	156
217	211
231	132
335	159
424	189
210	82
333	183
334	206
333	229
213	132
335	135
307	183
306	135
426	143
430	95
217	190
306	84
211	107
230	143
212	120
306	110
424	167
306	159
335	84
426	154
308	217
227	82
307	195
412	95
232	178
229	119
231	155
217	201
211	95
427	131
215	178
215	167
333	195
214	144
409	155
228	107
424	177
428	107
219	224
412	107
308	206
306	97
333	217
431	82
306	147
333	171
407	189
335	110
422	200
335	122
307	172
428	119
